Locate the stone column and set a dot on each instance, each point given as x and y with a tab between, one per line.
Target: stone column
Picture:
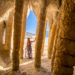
17	33
40	34
65	46
51	40
23	28
54	47
50	31
44	38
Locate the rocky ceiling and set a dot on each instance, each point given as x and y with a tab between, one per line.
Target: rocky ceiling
52	8
5	5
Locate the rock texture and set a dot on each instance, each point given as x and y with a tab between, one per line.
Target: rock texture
61	37
40	35
65	55
23	27
51	40
17	33
5	43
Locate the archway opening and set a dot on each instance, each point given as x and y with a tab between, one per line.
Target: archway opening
31	27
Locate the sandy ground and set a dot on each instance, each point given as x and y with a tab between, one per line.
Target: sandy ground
29	69
44	70
27	65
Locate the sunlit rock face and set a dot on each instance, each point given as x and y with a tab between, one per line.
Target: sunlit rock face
5	37
2	50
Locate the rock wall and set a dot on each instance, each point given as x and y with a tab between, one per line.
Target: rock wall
5	25
65	46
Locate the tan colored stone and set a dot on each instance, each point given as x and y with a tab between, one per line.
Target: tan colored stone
44	38
50	31
17	33
64	57
66	45
5	48
23	28
39	36
51	41
63	70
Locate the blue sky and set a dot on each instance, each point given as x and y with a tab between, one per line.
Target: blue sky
31	23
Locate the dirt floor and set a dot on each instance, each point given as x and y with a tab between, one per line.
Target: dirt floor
27	65
29	69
